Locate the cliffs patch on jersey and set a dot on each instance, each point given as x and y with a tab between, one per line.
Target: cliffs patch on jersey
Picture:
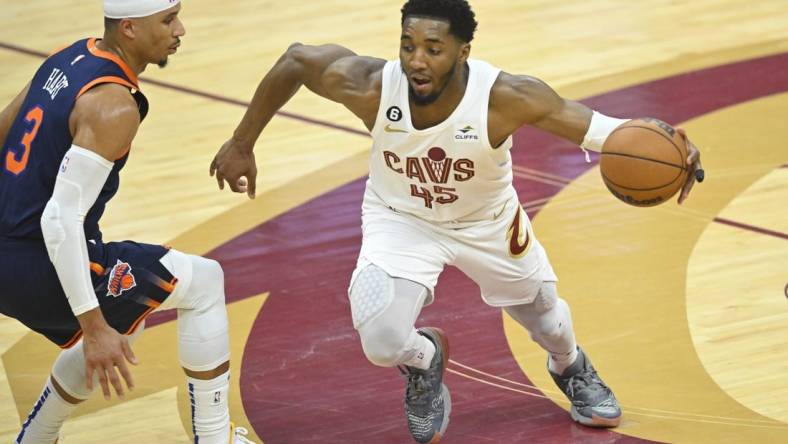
465	133
120	279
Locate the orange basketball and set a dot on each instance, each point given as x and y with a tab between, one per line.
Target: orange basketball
643	162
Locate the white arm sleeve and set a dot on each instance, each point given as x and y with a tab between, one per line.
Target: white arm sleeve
600	127
79	181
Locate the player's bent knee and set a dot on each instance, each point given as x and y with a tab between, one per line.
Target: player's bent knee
544	316
207	283
69	372
383	345
200	281
203	339
371	293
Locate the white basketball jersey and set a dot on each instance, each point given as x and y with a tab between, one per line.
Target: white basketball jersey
448	172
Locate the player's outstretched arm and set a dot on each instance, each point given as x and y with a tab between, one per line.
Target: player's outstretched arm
103	123
9	113
331	71
519	100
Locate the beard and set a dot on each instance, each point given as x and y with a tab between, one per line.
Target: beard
163	62
420	100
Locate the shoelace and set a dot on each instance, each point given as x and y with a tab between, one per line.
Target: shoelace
584	381
418	389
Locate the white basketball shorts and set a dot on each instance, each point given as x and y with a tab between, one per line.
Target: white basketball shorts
501	255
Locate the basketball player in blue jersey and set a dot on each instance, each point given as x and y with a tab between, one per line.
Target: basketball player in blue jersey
65	138
440	192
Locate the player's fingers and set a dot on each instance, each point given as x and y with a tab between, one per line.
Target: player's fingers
700	174
694	154
252	187
125	374
128	353
114	379
220	179
242	184
212	168
234	183
685	190
89	376
102	377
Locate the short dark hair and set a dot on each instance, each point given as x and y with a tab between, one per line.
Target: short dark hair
458	13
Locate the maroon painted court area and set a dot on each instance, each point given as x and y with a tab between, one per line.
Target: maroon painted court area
305	379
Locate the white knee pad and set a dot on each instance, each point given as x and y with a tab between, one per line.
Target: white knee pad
202	318
371	293
384	311
69	369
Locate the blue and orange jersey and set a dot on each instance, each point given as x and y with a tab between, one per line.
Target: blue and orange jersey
40	136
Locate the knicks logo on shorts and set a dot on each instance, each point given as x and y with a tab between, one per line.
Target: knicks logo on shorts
519	236
120	279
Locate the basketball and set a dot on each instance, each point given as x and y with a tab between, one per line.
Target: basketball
643	162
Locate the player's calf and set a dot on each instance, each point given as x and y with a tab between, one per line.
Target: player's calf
64	390
203	344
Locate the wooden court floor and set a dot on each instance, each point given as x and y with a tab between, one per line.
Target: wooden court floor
684	310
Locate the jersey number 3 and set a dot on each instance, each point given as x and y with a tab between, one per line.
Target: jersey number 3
34	116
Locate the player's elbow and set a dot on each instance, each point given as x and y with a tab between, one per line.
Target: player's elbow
52	228
295	60
294	46
297	52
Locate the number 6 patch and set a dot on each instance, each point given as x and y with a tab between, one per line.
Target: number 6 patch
394	114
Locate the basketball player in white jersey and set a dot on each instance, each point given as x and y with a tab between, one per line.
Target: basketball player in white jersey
440	192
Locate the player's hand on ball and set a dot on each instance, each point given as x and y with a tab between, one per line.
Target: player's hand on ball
235	164
694	167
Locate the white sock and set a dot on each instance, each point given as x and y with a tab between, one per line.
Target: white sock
48	415
558	362
421	351
210	411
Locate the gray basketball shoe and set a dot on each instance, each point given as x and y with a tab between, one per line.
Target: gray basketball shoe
593	403
427	400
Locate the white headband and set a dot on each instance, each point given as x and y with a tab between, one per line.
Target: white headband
118	9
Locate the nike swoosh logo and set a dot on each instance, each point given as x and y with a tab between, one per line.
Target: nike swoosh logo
518	249
389	129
